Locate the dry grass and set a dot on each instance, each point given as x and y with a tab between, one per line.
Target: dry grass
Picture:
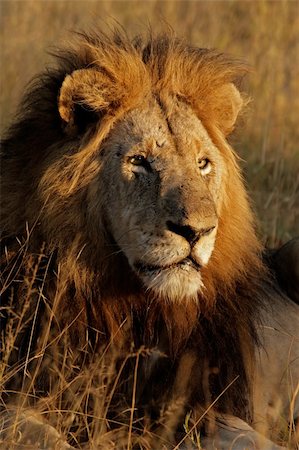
84	408
76	413
264	33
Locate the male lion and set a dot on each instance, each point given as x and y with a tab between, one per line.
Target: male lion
127	226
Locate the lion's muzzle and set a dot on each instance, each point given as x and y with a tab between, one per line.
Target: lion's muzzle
191	234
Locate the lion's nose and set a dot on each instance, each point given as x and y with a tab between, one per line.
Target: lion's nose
191	234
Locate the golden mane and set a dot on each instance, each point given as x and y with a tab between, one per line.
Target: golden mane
113	76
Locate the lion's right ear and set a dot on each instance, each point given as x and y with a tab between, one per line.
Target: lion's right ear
83	99
225	105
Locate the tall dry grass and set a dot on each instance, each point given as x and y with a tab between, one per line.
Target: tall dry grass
85	407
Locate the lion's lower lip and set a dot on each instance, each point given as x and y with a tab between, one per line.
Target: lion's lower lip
187	262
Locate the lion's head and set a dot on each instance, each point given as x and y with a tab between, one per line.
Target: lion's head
127	174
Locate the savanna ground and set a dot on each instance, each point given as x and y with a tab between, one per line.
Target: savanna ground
266	34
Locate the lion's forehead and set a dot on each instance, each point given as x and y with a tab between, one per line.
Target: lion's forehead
154	130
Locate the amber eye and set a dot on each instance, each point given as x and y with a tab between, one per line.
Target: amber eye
205	166
140	165
138	160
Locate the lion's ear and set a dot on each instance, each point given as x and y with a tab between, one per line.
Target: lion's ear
83	99
225	105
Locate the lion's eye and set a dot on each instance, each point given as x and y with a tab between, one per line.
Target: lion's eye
140	164
205	166
138	160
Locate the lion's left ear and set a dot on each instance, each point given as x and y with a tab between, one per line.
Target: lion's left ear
224	106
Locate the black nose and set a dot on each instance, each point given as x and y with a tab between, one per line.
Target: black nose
191	234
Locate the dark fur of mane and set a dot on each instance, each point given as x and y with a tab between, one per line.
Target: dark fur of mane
48	248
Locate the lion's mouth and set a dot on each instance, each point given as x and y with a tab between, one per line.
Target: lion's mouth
185	264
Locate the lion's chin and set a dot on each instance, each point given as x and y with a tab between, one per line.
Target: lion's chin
175	283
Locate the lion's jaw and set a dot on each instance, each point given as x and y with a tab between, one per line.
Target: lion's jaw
165	212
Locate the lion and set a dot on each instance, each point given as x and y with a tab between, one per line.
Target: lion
126	224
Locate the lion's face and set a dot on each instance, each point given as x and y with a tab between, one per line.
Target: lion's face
164	175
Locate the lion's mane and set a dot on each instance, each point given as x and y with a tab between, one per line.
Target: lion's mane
49	247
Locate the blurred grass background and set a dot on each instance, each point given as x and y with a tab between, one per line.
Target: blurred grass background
265	33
